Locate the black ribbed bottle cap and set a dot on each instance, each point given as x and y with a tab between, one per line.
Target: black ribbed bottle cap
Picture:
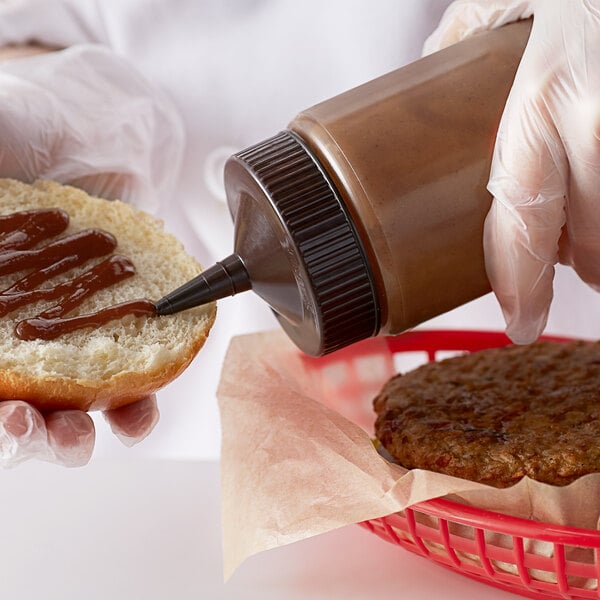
336	302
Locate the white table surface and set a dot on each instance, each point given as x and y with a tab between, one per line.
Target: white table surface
150	529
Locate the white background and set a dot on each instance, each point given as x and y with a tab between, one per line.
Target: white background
150	530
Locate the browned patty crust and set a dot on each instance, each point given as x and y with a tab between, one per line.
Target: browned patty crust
497	415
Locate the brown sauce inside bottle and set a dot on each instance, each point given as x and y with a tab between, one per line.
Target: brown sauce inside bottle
410	154
20	234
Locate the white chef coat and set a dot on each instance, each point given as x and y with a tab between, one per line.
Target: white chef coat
238	72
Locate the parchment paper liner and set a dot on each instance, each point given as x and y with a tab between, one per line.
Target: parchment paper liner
293	467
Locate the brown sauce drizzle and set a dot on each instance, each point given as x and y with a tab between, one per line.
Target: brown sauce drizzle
20	233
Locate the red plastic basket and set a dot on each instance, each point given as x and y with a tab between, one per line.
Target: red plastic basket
531	558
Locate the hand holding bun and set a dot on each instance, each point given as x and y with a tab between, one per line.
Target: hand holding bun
67	437
48	133
107	368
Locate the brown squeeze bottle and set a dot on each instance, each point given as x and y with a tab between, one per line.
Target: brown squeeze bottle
366	215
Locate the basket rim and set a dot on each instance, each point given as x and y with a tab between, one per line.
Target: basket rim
456	339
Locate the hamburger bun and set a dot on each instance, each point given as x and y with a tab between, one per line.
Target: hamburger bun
127	359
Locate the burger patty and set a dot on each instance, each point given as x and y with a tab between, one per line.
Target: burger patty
497	415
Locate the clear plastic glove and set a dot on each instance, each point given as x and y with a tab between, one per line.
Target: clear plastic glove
66	437
83	116
545	175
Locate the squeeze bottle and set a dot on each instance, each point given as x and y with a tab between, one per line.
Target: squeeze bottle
366	214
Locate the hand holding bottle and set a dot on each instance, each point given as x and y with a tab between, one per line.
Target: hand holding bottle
545	175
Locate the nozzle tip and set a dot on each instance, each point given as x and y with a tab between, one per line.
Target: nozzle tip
164	307
225	278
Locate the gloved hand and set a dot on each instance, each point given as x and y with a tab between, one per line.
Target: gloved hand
83	116
545	175
66	437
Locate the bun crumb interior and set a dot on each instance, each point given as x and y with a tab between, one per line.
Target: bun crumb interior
125	360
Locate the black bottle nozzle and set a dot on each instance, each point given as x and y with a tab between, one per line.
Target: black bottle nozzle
295	246
226	278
